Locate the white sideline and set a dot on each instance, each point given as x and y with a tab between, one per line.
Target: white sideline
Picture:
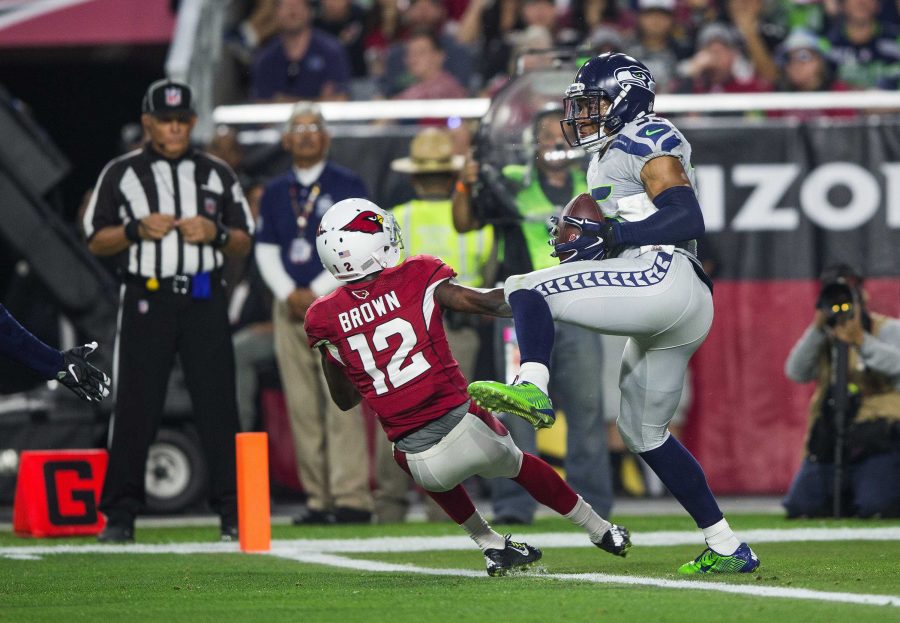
323	552
605	578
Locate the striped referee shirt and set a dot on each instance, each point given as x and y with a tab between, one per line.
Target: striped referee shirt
141	182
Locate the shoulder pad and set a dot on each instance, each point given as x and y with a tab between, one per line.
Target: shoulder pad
646	136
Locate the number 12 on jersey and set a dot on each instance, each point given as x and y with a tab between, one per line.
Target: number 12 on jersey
395	373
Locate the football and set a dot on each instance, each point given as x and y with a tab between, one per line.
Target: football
581	206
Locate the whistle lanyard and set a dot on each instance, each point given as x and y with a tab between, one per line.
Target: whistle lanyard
302	214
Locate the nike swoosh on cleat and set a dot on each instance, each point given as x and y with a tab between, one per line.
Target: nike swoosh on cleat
522	550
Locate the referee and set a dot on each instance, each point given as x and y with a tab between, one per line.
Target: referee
171	213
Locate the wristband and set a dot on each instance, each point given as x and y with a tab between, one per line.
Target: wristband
223	235
461	187
132	230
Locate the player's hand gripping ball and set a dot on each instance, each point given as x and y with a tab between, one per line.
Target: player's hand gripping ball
581	232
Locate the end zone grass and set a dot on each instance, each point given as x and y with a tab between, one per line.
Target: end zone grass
226	587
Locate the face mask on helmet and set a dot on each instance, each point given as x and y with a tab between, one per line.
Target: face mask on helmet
356	238
609	91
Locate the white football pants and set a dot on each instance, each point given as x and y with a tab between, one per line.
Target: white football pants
659	302
472	448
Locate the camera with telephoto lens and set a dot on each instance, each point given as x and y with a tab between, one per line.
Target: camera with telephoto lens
837	300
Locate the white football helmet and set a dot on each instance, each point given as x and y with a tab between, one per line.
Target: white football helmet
357	238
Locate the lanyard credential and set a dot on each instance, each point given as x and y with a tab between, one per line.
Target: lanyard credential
302	214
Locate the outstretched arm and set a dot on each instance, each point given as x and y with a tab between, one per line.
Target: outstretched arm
453	296
342	391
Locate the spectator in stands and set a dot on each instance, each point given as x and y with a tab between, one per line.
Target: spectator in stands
806	69
656	45
718	65
532	49
692	15
427	226
871	451
484	28
866	51
604	39
537	19
332	456
587	15
345	20
258	23
425	65
302	62
424	16
760	33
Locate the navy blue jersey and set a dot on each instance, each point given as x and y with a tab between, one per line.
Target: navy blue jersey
285	198
19	345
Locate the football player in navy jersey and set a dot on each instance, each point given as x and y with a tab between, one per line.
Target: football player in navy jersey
69	367
381	339
634	274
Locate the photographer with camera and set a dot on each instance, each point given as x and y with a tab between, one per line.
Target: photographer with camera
539	189
863	411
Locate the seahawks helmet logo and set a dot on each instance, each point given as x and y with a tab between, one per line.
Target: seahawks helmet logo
635	76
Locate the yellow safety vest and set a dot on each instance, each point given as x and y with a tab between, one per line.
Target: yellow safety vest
427	227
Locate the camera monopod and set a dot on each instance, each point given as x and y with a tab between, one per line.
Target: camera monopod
840	401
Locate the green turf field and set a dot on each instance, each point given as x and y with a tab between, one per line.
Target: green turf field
314	574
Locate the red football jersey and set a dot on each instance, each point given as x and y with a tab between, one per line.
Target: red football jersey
388	336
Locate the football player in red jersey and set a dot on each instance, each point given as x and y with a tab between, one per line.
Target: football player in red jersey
381	339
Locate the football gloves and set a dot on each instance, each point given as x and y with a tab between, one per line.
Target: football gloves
596	242
88	382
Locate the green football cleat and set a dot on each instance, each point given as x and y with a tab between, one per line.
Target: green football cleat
522	399
743	560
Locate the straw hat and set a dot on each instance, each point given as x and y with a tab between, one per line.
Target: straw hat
431	151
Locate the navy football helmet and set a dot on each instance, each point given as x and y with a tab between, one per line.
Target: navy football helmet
620	80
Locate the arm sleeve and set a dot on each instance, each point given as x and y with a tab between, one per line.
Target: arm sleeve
18	344
802	361
268	259
678	217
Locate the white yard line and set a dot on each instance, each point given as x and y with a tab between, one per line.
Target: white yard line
604	578
323	552
457	543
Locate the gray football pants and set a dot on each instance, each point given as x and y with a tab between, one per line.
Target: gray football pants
659	302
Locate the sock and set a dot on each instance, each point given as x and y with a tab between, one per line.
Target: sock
535	373
720	538
545	485
534	326
583	515
683	476
480	532
455	502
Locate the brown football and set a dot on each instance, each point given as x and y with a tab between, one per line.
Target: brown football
581	206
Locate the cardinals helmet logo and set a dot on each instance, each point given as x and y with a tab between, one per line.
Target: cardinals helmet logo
366	222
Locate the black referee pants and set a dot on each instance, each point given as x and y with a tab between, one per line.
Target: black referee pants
153	327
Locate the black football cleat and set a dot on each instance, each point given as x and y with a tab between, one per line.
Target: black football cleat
116	533
513	556
616	540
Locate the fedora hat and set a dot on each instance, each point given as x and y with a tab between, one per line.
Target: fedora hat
431	151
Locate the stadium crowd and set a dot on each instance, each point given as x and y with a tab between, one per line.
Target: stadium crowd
348	49
338	50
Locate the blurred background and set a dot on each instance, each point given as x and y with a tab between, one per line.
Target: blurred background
791	107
